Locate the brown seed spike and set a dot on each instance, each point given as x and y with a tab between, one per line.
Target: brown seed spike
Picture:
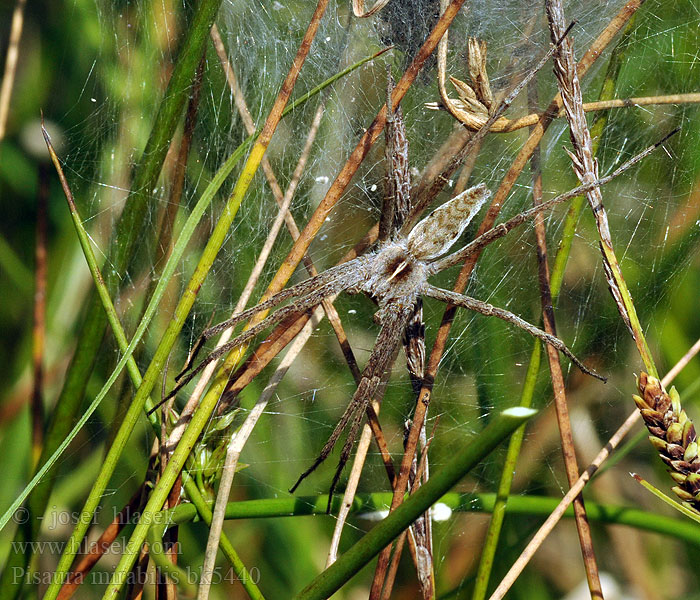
435	234
672	435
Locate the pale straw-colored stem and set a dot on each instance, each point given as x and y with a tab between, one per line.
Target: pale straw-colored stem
236	445
547	527
8	76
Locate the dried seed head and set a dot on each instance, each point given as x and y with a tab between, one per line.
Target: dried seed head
477	72
672	435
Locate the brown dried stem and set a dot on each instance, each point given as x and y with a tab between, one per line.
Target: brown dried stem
39	321
100	547
559	389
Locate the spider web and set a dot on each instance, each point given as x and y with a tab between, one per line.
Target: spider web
653	211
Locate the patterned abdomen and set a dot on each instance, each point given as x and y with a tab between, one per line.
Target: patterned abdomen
435	234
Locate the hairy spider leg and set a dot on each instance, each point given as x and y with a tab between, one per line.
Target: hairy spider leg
304	287
492	311
394	321
321	286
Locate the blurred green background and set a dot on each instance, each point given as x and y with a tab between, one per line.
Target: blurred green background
98	71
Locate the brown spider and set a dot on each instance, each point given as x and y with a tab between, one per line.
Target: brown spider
395	275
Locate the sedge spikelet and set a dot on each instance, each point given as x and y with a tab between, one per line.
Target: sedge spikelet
673	435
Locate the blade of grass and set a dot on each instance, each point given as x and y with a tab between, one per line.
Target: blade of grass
382	534
201	416
122	246
684	510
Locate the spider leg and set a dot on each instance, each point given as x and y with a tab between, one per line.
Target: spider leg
393	324
414	347
492	311
397	189
333	279
342	281
354	412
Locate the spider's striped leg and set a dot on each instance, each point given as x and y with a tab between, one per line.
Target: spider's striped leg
328	278
394	321
414	347
421	530
343	279
492	311
397	189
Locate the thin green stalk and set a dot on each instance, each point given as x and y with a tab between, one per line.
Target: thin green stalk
556	278
175	574
536	506
208	403
122	246
112	318
163	350
133	371
681	508
382	534
203	510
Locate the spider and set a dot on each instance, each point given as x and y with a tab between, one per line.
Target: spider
396	276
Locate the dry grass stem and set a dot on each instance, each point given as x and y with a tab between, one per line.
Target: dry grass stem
8	76
504	125
419	535
39	320
570	90
556	515
239	439
626	540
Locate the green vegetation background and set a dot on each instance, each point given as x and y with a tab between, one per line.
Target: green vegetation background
98	72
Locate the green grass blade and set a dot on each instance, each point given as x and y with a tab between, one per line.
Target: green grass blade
128	230
684	510
373	542
541	506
